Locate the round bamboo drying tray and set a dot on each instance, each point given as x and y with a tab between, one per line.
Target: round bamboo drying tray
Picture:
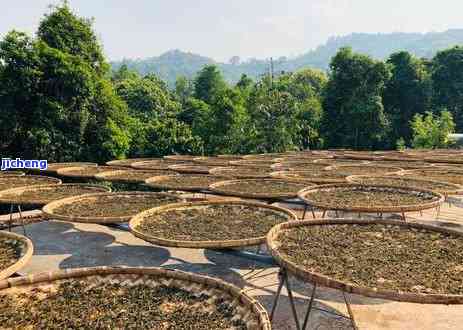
310	276
298	166
13	196
210	244
129	175
242	172
450	188
213	161
54	167
191	169
252	163
363	169
180	157
439	199
11	173
323	177
438	174
127	162
27	249
221	188
10	182
155	164
85	172
50	209
249	310
161	182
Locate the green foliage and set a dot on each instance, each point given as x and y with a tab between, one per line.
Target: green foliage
431	131
176	63
208	84
353	110
447	79
183	89
407	92
63	30
400	144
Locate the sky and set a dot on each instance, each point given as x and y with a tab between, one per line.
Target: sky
247	28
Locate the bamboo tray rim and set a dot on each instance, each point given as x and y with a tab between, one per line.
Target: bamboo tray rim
314	277
458	189
27	253
219	244
17	191
249	303
49	209
363	209
217	188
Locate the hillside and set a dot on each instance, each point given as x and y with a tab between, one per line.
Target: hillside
175	62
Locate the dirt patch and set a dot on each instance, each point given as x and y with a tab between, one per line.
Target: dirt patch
211	223
379	256
114	306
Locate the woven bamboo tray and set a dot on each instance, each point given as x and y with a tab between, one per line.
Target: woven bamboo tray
50	209
452	188
191	169
129	175
303	194
27	249
159	182
363	169
85	172
54	167
127	162
252	163
438	174
221	188
216	244
242	172
156	164
249	310
213	161
13	196
301	175
10	182
180	157
313	277
11	173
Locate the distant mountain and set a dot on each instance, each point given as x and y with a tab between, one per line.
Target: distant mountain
175	62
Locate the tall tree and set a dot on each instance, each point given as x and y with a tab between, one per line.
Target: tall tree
408	92
353	110
447	78
209	83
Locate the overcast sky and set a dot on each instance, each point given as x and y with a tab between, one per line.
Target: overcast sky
247	28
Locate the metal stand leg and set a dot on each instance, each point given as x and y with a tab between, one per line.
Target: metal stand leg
323	214
305	211
21	219
283	279
313	212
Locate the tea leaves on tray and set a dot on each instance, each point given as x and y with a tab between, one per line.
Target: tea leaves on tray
114	306
9	252
212	222
379	256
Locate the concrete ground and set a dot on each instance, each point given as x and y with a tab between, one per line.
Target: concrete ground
66	245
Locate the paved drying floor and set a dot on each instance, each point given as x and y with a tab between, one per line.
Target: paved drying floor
66	245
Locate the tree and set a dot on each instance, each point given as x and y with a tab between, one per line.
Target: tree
353	111
431	131
408	92
183	89
62	29
209	83
447	79
55	99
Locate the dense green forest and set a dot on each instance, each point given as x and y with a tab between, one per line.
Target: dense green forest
60	100
173	63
